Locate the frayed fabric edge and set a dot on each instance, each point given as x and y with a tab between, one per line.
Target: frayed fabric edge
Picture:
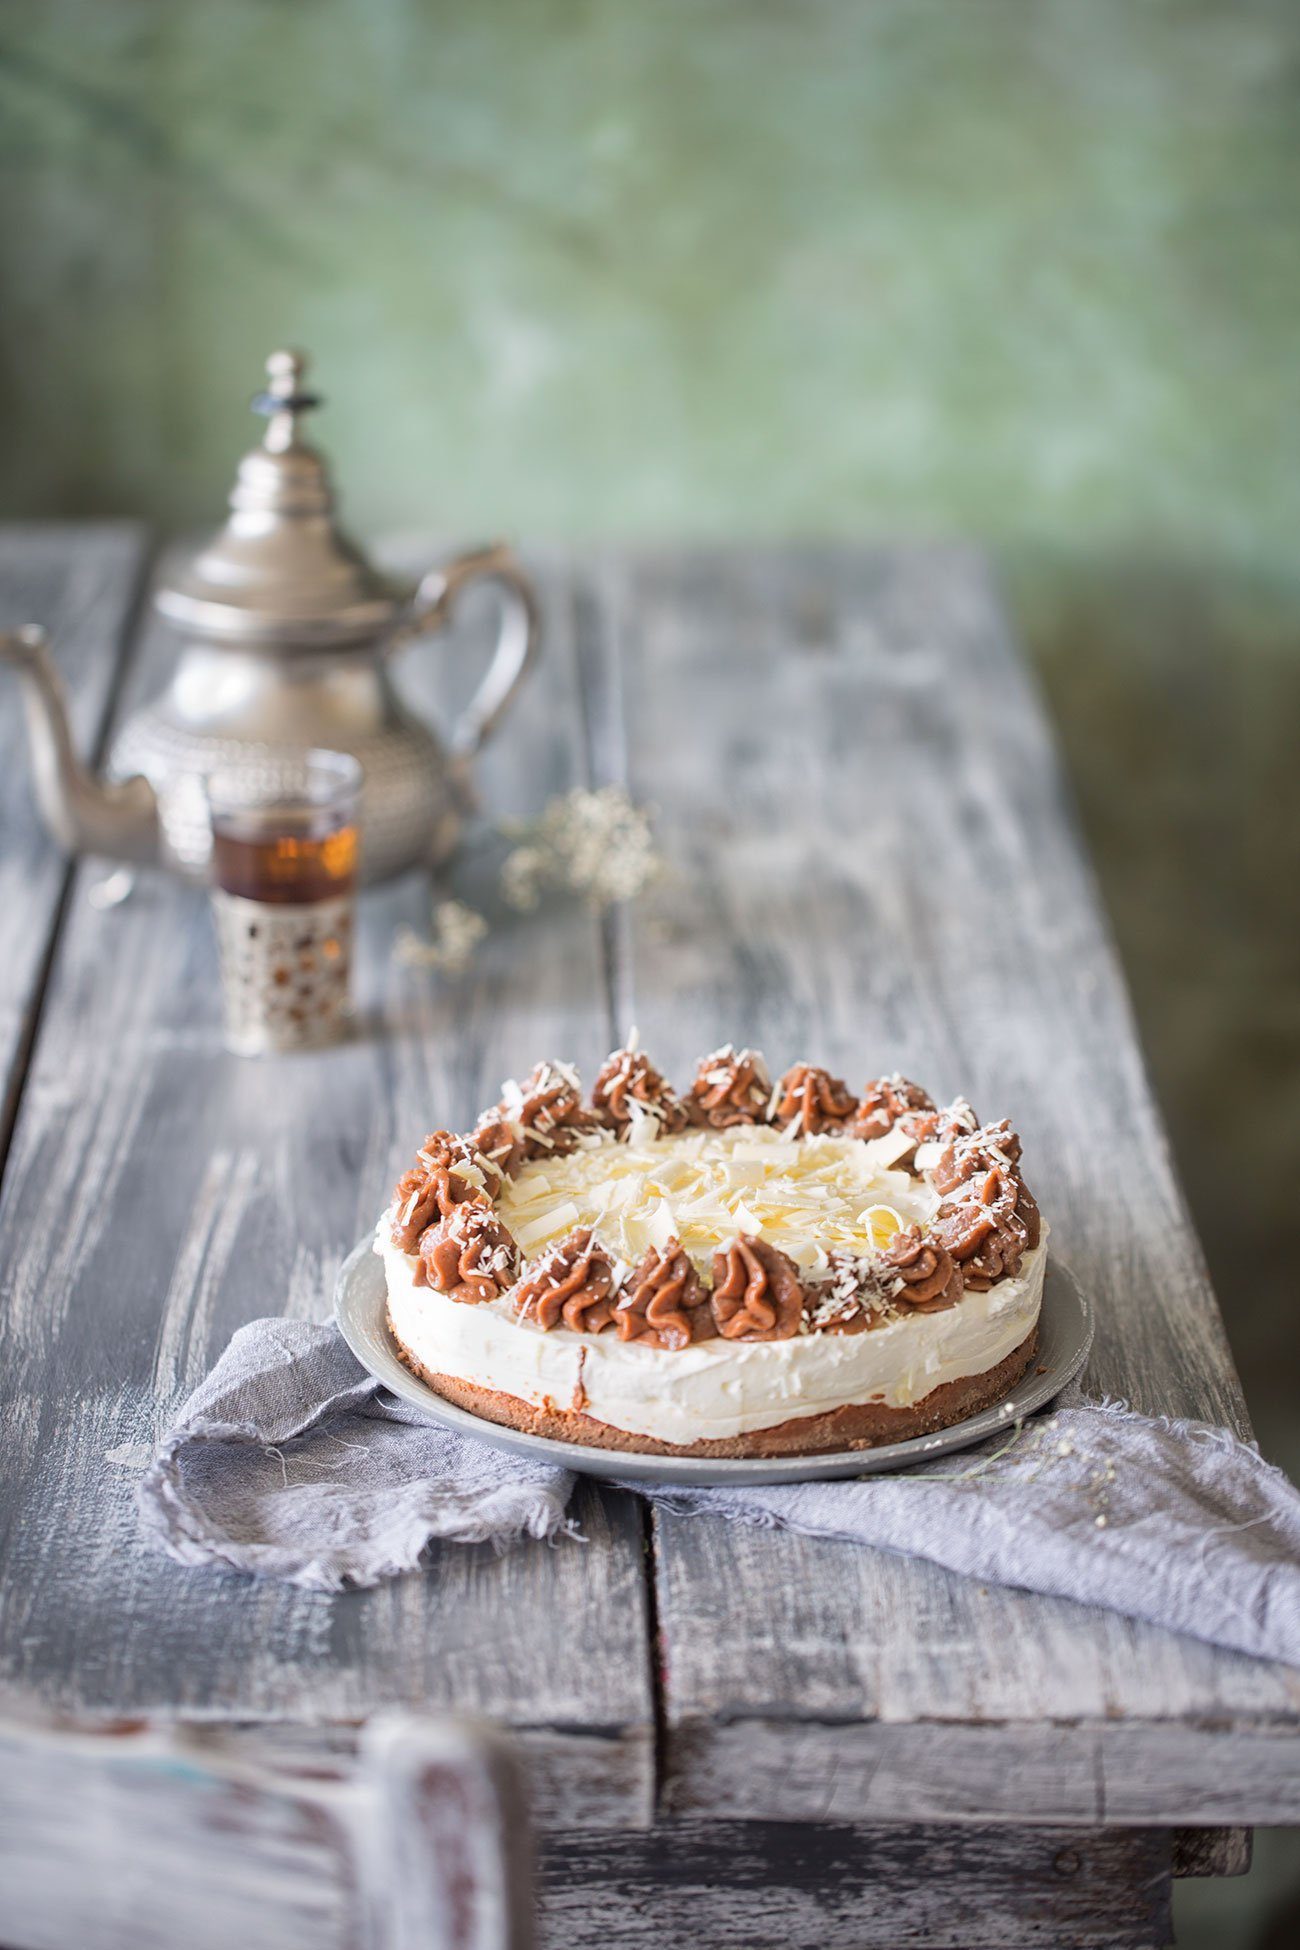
168	1520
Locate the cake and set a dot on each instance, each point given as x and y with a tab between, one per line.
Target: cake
745	1269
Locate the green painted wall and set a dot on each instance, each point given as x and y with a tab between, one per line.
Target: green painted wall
1016	266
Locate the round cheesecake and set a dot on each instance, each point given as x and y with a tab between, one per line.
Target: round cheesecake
744	1270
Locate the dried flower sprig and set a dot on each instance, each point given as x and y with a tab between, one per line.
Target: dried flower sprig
455	933
597	845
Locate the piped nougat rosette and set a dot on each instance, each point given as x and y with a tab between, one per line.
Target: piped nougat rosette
731	1087
448	1171
732	1211
810	1101
542	1117
468	1255
630	1094
664	1302
757	1292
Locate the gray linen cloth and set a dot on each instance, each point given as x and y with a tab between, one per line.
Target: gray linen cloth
291	1462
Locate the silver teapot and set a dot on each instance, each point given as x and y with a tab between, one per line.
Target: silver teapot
288	635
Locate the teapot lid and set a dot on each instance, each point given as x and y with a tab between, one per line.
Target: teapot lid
281	571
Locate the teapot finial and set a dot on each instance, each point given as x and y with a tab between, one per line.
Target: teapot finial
281	572
284	399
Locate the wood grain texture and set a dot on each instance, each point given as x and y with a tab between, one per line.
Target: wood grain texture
421	1845
78	584
1128	1773
873	865
1212	1851
159	1193
734	1885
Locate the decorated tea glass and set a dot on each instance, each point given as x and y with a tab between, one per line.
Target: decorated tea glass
284	877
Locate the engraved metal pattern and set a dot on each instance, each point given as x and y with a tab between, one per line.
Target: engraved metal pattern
408	814
285	972
291	632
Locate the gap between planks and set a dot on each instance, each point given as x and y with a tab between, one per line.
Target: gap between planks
123	637
603	732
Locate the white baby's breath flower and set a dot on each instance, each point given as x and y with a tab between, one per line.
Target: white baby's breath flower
455	933
597	845
523	876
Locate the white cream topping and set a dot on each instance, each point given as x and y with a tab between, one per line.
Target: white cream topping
807	1196
712	1389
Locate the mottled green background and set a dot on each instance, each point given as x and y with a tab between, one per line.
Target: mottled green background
696	265
1024	271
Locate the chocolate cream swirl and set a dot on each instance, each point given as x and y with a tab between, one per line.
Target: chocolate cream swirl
961	1177
813	1101
985	1232
852	1296
731	1087
887	1101
468	1255
448	1171
572	1283
543	1117
921	1272
500	1139
967	1153
757	1294
664	1303
626	1078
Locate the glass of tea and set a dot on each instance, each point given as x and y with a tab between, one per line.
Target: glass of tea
284	875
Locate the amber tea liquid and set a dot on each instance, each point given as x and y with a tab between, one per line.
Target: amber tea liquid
285	854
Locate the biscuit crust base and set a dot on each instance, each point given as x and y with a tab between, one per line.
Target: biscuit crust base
862	1425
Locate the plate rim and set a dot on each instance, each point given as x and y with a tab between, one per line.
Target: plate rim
1061	1292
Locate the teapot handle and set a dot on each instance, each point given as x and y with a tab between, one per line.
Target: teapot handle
517	635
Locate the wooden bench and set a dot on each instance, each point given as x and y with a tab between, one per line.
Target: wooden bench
139	1837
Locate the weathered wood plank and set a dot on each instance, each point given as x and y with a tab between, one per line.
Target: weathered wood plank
159	1194
873	865
195	1835
78	583
734	1885
1212	1851
423	1845
1129	1773
889	876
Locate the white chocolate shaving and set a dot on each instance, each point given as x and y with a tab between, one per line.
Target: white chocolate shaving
808	1197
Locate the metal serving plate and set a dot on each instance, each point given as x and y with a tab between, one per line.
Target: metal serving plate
1064	1337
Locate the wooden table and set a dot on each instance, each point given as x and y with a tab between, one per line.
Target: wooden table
734	1736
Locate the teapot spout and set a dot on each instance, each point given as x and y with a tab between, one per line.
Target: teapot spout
84	814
